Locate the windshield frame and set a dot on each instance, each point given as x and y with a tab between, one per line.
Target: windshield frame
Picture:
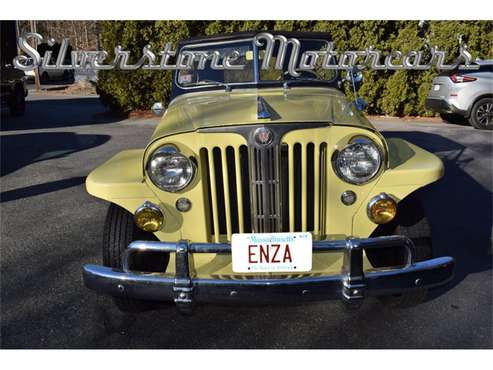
209	85
179	89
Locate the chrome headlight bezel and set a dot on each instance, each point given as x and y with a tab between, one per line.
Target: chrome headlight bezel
170	151
362	142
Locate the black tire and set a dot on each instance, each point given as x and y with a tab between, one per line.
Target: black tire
119	231
412	222
455	119
482	114
17	104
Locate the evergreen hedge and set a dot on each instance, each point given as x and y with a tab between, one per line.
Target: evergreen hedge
399	93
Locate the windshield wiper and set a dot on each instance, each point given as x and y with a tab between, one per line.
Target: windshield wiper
217	83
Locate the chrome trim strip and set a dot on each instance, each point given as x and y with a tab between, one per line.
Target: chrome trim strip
262	110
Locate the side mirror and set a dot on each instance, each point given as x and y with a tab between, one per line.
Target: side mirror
158	109
360	104
355	76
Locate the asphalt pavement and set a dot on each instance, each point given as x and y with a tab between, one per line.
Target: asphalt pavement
50	227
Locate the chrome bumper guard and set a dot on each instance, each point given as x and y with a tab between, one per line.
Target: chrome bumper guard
352	284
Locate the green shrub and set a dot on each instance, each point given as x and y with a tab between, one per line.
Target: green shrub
397	93
136	90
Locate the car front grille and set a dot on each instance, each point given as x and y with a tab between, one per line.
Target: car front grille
265	185
279	189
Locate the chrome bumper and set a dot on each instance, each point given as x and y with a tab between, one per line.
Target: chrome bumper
352	284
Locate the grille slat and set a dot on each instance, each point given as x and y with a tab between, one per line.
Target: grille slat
324	181
239	190
291	186
227	202
214	206
304	193
280	188
316	177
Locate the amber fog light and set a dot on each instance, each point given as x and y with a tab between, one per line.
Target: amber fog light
382	209
149	217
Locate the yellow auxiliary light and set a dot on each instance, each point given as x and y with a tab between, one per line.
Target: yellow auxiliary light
149	217
382	209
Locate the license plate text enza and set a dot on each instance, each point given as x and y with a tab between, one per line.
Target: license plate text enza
269	253
272	252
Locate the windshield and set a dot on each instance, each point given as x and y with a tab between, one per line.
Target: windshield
317	73
208	76
196	77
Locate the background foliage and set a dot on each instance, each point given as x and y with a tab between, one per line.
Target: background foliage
399	93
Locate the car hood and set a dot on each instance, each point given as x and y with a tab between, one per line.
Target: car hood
199	110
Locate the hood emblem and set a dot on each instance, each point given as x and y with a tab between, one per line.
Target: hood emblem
263	136
262	111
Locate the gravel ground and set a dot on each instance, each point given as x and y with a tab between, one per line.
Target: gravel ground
50	226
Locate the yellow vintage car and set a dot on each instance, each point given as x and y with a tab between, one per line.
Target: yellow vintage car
261	187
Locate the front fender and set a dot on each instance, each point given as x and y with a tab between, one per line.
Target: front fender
120	181
119	178
410	168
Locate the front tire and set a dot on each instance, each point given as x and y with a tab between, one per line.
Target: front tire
482	114
119	231
412	222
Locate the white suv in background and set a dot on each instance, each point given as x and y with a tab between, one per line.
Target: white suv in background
462	94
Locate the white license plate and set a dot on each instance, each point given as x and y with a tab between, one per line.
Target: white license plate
436	87
272	252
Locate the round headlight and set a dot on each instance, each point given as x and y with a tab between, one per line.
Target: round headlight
359	161
169	170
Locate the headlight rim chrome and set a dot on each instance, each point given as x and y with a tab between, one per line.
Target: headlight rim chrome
358	139
170	149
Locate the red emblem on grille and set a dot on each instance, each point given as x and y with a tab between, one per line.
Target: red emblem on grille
263	136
